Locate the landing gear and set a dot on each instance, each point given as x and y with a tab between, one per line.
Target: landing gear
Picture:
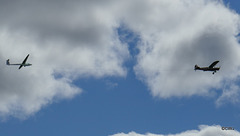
214	72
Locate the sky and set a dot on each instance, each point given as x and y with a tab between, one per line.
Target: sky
119	68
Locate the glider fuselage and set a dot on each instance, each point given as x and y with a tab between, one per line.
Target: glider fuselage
23	64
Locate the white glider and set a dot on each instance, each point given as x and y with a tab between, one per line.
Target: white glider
22	64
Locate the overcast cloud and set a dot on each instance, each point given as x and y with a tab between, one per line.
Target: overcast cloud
204	130
77	39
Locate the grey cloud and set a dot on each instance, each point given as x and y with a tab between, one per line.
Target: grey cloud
56	20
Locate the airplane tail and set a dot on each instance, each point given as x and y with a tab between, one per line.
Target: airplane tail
196	67
7	62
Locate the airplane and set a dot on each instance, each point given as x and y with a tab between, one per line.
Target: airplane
22	64
210	68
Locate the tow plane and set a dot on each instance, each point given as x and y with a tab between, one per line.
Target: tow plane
209	68
21	64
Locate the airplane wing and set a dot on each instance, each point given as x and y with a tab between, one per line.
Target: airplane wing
20	66
25	60
213	64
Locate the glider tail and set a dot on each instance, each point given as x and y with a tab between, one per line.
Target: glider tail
196	67
7	62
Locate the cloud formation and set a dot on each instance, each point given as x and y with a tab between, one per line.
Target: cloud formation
229	95
204	130
176	35
77	39
65	40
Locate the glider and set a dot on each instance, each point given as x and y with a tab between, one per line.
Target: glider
210	68
22	64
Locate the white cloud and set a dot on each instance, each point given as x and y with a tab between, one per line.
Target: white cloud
65	40
78	39
176	35
229	95
204	130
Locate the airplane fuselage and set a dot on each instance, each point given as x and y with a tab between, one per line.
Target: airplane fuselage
207	69
26	64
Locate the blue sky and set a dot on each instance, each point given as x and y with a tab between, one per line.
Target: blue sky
117	99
